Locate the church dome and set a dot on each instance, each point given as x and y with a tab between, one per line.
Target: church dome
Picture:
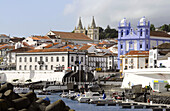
123	22
143	21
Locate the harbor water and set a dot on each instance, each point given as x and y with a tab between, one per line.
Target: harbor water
87	107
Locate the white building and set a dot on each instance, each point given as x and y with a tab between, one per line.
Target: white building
37	40
69	38
164	61
50	59
158	53
134	60
157	78
4	38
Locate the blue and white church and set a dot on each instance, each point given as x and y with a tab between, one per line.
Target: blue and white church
139	39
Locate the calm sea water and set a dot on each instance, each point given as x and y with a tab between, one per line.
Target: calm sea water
87	107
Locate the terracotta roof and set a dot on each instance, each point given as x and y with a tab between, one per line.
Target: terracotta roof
7	47
138	53
85	47
25	44
50	50
50	45
4	35
22	49
40	37
69	35
159	34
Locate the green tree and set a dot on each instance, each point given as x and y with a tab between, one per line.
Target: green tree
165	27
167	87
152	27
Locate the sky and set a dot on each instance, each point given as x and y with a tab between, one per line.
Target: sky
23	18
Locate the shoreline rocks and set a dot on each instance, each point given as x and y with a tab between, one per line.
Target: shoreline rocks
11	101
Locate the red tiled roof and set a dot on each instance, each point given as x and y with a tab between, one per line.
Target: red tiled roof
159	34
85	47
22	49
50	50
40	37
50	45
138	53
69	35
7	47
25	44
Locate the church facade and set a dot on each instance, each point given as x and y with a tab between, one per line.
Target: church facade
141	39
92	32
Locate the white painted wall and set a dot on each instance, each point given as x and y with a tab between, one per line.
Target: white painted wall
9	76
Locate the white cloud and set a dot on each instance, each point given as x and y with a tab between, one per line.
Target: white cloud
112	11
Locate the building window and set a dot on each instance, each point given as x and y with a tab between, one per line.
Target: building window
146	61
72	59
121	46
125	68
51	59
110	63
146	31
140	46
40	67
25	67
131	67
30	67
30	59
121	33
147	46
41	58
46	59
35	67
126	61
57	59
156	86
1	40
20	67
51	67
35	59
127	32
20	59
25	59
81	59
140	32
46	67
131	60
62	59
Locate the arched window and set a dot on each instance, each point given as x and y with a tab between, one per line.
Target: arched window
127	32
46	59
46	67
140	32
62	59
30	59
146	31
20	59
51	67
41	58
72	59
121	33
20	67
25	67
25	59
57	59
35	67
30	67
35	59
